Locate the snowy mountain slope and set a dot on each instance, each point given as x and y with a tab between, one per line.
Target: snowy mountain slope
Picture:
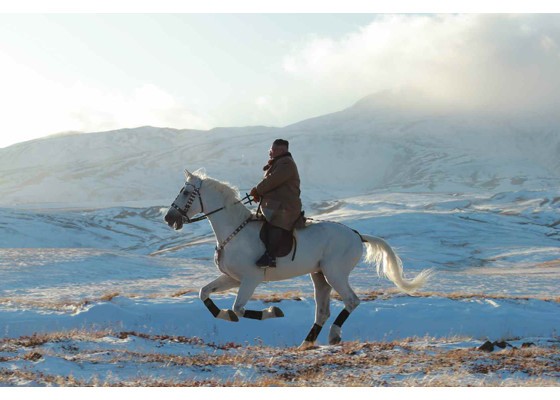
372	145
105	168
84	250
121	277
483	239
388	146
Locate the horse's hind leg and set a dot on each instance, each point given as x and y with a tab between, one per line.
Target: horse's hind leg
246	290
351	301
220	284
322	308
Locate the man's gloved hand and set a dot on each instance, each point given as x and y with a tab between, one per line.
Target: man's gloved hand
255	195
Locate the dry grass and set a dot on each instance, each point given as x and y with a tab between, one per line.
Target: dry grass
183	292
385	294
39	339
25	377
409	362
74	306
379	364
278	297
58	305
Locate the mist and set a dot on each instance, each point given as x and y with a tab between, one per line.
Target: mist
476	64
481	63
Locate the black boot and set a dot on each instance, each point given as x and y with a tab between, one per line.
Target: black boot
269	236
266	261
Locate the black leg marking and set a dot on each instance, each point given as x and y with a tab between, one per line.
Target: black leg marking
253	314
341	317
272	312
212	307
313	333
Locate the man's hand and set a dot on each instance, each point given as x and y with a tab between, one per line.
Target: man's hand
255	194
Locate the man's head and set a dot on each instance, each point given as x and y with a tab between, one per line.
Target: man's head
278	148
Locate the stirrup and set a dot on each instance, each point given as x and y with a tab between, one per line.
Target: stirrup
266	261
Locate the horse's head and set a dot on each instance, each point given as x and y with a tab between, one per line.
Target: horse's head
187	203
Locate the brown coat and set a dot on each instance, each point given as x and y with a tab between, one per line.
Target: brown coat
280	192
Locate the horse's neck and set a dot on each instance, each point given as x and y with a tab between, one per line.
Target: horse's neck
224	222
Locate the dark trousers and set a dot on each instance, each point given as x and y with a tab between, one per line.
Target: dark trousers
274	239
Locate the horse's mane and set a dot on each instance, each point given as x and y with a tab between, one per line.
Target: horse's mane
229	192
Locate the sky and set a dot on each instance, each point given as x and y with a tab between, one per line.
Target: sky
93	72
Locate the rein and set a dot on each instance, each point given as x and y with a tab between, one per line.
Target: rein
196	193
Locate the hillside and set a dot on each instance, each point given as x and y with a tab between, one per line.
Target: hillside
371	146
98	290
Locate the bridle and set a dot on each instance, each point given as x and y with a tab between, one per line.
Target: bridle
192	195
196	193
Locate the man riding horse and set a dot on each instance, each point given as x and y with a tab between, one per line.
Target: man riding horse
279	194
330	250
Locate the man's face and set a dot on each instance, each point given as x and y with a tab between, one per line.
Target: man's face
277	150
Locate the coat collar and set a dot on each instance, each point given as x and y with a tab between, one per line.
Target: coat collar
288	154
273	160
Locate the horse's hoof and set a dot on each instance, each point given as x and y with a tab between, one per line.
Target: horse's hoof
335	340
307	345
276	312
335	336
228	315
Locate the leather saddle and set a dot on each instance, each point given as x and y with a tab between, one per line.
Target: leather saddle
279	240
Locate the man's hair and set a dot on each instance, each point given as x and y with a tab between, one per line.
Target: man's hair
281	142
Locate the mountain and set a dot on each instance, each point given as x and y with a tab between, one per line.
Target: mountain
376	144
110	168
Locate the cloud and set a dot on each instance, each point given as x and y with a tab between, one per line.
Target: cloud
485	62
148	104
34	105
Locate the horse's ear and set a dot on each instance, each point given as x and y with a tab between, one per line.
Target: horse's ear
187	174
201	172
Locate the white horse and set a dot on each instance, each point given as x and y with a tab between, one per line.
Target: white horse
327	251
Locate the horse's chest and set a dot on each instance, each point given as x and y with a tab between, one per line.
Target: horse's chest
219	260
226	264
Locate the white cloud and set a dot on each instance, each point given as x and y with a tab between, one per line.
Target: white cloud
269	108
34	106
493	62
262	101
145	105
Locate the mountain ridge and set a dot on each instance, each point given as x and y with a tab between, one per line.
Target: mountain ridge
363	148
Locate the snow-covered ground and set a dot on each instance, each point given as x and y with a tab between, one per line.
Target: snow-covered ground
108	271
96	289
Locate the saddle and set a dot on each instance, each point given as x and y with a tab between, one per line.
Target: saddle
280	242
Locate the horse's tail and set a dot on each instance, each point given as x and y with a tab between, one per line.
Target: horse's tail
389	265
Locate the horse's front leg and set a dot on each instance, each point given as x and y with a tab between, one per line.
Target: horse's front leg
246	290
220	284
